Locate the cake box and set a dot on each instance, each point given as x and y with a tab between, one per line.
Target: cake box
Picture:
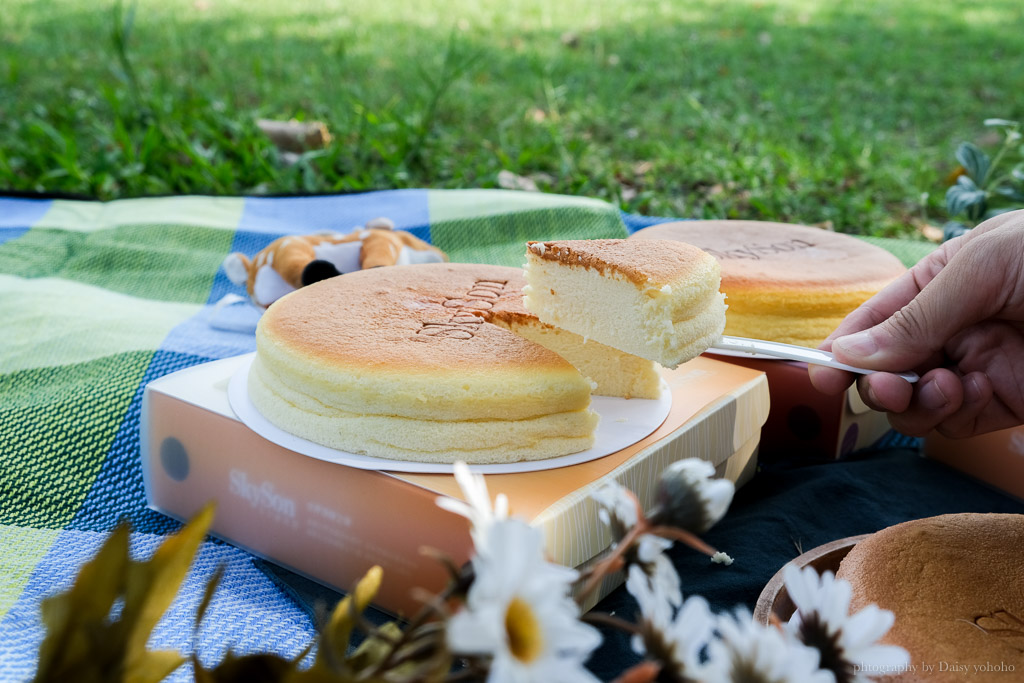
331	523
806	423
996	458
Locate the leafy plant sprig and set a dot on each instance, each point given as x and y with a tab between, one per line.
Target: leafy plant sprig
986	186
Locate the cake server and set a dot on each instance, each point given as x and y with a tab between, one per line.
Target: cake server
742	346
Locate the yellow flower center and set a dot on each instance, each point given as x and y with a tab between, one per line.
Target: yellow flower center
523	629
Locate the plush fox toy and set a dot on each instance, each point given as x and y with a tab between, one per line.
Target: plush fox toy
294	261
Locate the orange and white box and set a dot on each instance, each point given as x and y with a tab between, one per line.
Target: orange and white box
995	458
331	522
803	421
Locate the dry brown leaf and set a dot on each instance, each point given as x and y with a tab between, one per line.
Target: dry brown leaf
642	167
571	39
295	136
932	233
510	181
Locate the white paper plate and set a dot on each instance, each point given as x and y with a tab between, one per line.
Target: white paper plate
623	423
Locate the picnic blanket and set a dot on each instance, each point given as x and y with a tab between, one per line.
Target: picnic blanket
98	299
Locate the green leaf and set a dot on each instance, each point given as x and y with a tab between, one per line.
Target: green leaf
974	161
211	587
338	630
965	198
1010	193
953	229
375	649
83	642
425	659
153	585
153	667
74	619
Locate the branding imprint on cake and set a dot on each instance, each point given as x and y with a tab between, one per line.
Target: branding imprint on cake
1006	626
756	251
465	321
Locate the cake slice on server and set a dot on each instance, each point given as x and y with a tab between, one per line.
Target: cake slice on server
657	299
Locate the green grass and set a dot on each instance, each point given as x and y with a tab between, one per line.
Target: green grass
788	110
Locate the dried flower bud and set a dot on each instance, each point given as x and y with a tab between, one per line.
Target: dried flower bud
616	508
689	498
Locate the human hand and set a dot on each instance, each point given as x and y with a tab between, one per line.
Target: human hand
957	319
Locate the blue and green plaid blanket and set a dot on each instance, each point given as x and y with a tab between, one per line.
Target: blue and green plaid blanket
98	299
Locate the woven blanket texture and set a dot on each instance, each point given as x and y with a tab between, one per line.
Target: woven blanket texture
98	299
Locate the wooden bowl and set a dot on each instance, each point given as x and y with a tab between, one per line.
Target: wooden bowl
774	600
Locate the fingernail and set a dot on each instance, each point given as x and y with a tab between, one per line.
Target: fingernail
972	392
860	344
872	400
931	396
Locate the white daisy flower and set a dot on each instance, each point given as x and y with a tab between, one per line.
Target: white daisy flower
477	507
848	642
519	612
689	498
673	637
657	568
618	509
722	558
747	652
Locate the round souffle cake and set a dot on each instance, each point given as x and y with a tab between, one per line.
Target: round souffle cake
787	283
403	363
955	584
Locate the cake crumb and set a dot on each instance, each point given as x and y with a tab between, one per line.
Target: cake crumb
721	558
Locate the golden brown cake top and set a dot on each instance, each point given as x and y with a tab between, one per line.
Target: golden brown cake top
641	262
954	582
415	318
758	253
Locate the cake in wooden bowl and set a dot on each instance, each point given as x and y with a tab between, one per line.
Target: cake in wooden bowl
955	584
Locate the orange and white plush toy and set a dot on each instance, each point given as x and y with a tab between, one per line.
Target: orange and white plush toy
294	261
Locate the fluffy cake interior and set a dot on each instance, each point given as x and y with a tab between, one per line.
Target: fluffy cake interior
613	372
667	314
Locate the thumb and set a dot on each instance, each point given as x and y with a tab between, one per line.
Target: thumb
960	295
902	342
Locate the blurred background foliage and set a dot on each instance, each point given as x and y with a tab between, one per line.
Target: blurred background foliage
839	114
